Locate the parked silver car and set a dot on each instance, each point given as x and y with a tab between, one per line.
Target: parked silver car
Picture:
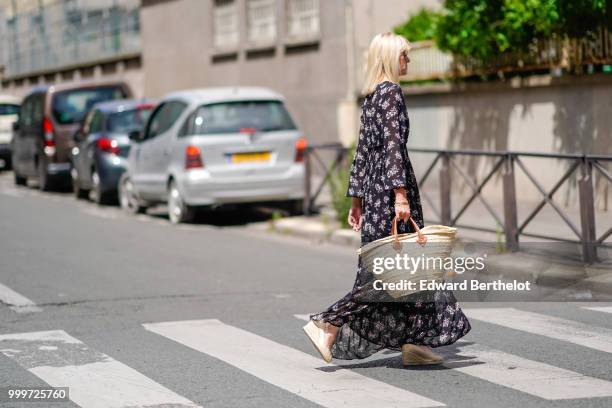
215	146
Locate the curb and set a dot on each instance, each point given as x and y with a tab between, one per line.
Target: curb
573	277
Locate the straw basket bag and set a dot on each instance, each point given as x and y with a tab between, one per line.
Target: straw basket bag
436	241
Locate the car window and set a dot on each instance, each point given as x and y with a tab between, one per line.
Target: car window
97	122
230	117
163	118
187	127
71	106
8	109
38	109
129	120
25	118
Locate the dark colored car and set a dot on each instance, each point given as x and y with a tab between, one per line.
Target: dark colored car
102	145
50	115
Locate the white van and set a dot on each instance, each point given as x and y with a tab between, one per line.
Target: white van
9	113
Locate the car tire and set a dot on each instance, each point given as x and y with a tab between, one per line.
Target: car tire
44	179
20	180
128	197
178	211
96	194
79	193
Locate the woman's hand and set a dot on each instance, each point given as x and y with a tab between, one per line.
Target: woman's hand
402	206
354	216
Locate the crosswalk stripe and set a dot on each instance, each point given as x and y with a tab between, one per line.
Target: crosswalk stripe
94	379
528	376
604	309
17	301
285	367
548	326
531	377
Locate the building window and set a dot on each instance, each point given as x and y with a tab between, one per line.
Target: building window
302	18
261	21
226	31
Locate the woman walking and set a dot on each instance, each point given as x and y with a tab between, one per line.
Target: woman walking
382	185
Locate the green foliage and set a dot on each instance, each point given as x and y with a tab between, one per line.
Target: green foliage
580	17
483	29
420	26
486	28
338	183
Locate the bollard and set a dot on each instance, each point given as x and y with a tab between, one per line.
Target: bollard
587	212
510	212
307	176
445	191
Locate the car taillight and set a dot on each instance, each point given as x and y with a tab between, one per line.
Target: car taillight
107	145
300	146
193	158
49	141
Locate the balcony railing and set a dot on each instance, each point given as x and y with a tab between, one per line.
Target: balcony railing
56	36
428	62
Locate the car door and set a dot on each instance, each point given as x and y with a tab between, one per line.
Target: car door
142	171
88	146
154	154
21	158
79	153
163	146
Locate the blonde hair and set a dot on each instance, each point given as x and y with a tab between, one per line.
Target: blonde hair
383	59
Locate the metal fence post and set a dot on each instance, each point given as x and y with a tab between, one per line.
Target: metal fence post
510	212
445	190
307	181
587	211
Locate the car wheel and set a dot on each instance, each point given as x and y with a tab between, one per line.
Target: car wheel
44	180
19	180
178	211
79	193
128	197
96	194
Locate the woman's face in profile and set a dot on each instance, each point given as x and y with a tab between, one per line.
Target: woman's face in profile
404	60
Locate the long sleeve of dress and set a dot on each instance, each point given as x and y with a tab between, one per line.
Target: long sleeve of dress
358	166
394	123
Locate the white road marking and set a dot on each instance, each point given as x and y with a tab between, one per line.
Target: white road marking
599	338
16	301
604	309
95	380
287	368
521	374
532	377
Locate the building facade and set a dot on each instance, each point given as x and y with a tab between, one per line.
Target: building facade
57	41
311	51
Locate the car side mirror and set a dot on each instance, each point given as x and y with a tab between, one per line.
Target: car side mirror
77	135
16	126
135	135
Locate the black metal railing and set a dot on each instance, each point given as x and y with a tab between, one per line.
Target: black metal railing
505	163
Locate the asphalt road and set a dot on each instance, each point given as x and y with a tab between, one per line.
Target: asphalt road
132	311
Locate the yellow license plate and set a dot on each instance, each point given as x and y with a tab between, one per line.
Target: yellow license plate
250	157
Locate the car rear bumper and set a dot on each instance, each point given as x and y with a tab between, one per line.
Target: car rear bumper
59	169
199	188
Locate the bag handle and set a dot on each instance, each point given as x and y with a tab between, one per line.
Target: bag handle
421	239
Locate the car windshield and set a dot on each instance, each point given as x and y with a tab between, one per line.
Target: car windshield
72	106
129	120
8	109
231	117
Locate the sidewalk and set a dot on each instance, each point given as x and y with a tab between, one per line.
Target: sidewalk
552	269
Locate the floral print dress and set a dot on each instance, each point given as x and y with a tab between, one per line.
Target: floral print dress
380	165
